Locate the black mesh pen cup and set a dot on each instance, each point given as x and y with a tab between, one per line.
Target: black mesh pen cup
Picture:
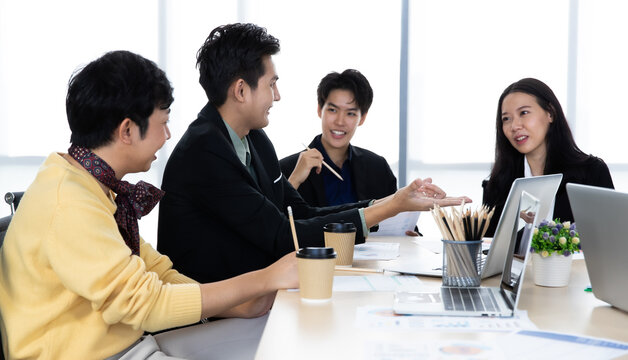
462	263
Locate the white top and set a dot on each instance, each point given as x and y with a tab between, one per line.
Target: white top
527	172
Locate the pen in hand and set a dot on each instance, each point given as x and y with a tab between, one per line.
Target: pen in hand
328	167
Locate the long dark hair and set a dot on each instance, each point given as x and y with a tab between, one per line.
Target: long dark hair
562	151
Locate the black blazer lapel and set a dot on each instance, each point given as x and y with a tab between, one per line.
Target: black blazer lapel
213	116
316	180
319	188
263	179
359	174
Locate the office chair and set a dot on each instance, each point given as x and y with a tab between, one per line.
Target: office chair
4	225
13	199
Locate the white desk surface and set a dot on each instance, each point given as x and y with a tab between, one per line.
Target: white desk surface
297	330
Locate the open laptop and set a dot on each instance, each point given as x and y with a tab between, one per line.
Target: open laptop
477	301
600	215
543	188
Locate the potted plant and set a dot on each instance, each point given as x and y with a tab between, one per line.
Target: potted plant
552	247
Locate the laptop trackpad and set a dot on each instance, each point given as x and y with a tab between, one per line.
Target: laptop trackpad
420	297
422	302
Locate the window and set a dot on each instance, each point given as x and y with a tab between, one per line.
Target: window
601	126
42	44
319	37
462	55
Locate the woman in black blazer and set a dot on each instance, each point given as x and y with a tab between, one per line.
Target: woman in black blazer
533	138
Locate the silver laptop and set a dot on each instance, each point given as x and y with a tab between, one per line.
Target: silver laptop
600	216
543	188
477	301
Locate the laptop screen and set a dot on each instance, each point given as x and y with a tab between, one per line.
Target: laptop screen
543	188
600	216
522	230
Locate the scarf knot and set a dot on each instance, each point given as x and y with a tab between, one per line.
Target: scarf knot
133	201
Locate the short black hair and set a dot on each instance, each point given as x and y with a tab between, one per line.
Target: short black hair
231	52
351	80
118	85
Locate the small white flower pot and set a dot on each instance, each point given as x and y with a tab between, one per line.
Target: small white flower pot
552	271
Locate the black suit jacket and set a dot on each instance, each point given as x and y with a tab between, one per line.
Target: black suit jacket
371	175
594	172
216	221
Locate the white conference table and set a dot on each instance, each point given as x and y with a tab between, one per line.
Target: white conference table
298	330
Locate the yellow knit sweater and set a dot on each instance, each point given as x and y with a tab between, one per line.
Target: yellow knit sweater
69	286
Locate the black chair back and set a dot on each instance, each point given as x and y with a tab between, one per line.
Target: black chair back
13	199
4	225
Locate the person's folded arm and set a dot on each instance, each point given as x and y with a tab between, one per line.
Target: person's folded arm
162	265
98	266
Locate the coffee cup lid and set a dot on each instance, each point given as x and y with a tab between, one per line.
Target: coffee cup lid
316	253
339	227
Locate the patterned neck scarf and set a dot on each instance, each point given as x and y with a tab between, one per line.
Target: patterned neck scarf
133	201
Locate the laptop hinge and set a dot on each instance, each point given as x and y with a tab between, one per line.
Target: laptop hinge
507	298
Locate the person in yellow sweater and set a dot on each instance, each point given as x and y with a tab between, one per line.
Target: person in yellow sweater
76	279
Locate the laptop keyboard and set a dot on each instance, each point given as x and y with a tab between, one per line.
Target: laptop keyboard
468	299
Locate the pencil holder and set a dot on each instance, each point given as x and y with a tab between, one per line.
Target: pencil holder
462	263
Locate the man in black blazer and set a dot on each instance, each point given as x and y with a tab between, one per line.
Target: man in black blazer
224	212
370	176
344	100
